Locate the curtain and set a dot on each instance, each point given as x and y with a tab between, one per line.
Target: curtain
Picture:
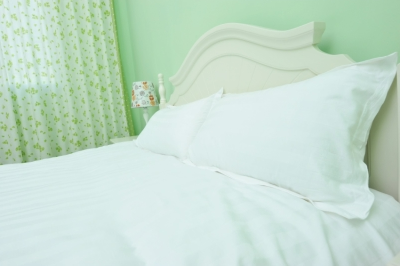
60	78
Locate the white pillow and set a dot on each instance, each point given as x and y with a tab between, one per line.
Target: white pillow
308	137
171	130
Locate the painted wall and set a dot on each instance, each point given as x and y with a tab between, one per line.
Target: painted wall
155	35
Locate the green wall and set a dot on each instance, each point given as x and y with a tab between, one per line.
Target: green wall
155	35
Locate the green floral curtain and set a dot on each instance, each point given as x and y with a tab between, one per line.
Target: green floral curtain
60	78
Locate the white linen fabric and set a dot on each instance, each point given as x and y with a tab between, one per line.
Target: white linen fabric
171	130
307	137
121	205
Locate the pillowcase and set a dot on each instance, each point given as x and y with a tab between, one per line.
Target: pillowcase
307	137
171	130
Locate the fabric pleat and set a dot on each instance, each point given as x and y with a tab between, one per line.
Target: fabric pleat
61	88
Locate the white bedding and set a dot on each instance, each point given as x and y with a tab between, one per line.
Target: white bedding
120	205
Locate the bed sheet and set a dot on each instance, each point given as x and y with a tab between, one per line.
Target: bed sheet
121	205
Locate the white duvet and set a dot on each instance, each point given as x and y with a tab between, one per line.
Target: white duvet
120	205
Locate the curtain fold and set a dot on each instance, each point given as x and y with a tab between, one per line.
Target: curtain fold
60	75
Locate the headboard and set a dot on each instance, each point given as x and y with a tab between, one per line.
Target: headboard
244	58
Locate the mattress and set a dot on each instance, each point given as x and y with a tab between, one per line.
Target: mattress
121	205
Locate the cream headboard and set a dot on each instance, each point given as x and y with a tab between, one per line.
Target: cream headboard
244	58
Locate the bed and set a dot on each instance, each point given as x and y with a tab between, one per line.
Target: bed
125	205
